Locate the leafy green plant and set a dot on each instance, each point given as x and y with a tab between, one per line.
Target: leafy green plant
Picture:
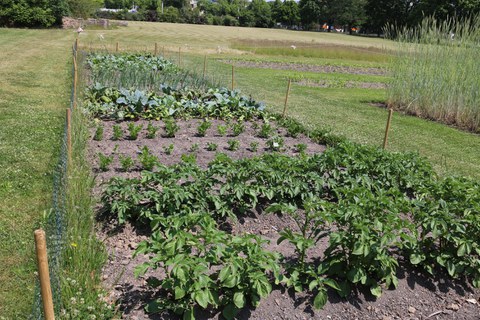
265	130
238	128
301	148
126	162
168	149
275	144
314	224
134	130
104	161
208	269
171	128
254	146
151	131
212	146
203	127
233	145
117	132
194	147
222	130
147	160
98	136
189	158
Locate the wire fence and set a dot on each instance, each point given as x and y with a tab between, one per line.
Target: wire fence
55	224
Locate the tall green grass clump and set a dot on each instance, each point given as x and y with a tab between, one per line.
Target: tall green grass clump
436	72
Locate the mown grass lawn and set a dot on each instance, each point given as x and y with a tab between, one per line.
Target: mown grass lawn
35	82
34	91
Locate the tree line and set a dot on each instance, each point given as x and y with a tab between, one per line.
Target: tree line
368	16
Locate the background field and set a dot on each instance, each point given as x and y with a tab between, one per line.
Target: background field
34	91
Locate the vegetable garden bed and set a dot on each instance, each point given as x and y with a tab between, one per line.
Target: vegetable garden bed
248	215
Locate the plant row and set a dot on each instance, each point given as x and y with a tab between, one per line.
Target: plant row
119	104
101	62
376	209
171	128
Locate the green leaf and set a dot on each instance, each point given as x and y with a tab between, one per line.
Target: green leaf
320	300
416	258
179	293
461	250
376	290
451	268
358	248
188	315
312	285
202	298
345	289
141	269
230	311
332	284
239	299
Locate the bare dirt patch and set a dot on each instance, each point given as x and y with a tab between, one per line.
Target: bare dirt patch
306	67
346	84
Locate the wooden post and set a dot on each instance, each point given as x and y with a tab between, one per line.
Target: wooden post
76	48
385	139
286	98
44	275
233	77
75	80
69	135
156	49
116	47
179	61
204	66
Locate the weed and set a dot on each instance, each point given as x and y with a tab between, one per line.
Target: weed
194	147
254	146
233	145
301	148
212	146
168	149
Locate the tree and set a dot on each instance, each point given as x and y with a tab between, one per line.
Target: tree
262	13
310	11
84	8
31	13
346	13
380	13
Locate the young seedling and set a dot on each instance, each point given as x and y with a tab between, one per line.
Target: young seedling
275	144
301	148
233	145
265	130
117	132
171	128
134	130
105	161
254	146
194	147
222	130
126	162
212	146
98	133
189	158
151	131
147	160
238	128
168	149
203	127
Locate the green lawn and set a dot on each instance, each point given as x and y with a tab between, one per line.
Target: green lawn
35	82
34	91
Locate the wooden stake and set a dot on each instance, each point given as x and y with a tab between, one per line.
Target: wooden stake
76	48
44	275
116	47
156	48
204	66
69	135
286	98
385	139
75	80
233	77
